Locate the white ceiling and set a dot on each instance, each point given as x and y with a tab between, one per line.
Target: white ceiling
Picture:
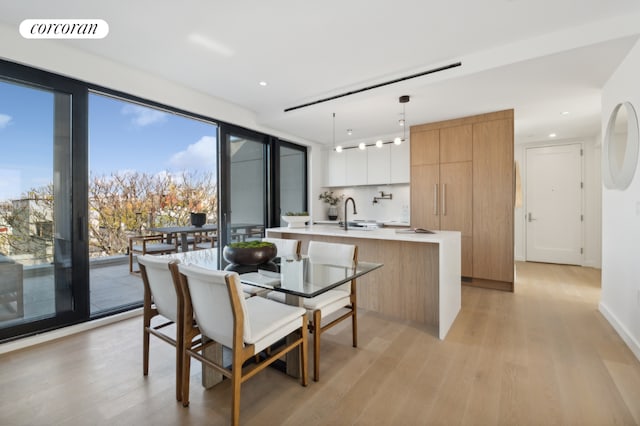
540	57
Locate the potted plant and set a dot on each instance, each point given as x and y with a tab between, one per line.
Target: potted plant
296	219
333	200
249	252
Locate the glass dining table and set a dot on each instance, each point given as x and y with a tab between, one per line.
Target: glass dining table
297	277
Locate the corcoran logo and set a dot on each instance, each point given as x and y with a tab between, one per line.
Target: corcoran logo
64	28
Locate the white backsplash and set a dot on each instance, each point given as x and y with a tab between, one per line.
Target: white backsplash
396	209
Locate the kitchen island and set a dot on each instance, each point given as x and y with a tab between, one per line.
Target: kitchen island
420	280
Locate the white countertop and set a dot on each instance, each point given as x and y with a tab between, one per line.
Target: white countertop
376	234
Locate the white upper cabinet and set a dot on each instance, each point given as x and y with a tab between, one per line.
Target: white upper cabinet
336	169
372	166
356	166
400	163
378	165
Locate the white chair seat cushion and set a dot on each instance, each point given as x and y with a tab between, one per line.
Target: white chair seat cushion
252	290
328	302
270	321
155	247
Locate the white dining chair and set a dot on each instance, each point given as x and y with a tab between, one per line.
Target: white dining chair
247	326
284	247
332	301
162	299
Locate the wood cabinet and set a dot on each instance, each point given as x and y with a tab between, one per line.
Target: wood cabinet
493	200
441	183
462	179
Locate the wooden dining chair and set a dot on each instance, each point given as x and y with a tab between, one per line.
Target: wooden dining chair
284	247
325	305
247	326
162	299
149	244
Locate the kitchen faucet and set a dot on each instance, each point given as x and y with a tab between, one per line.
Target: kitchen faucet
345	210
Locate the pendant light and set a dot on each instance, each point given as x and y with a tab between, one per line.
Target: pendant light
403	122
335	148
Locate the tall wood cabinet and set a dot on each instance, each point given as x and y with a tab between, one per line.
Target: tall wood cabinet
462	180
441	183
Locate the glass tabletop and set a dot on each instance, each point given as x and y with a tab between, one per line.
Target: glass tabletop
296	275
304	276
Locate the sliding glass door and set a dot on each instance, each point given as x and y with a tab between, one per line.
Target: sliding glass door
244	203
36	212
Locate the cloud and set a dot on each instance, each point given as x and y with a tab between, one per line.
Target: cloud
143	116
201	154
4	120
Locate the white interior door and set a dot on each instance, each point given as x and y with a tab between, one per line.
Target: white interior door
554	204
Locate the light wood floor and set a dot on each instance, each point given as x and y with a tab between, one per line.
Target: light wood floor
542	355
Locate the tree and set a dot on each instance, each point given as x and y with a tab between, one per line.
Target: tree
120	205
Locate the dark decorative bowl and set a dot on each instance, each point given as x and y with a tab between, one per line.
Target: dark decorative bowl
249	255
243	269
198	219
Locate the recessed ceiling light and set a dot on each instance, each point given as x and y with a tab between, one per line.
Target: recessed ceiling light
552	135
263	83
565	113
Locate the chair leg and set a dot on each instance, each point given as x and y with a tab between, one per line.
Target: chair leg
236	381
186	375
145	350
354	327
304	352
317	317
179	363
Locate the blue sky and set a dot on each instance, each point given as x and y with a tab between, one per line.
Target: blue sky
122	137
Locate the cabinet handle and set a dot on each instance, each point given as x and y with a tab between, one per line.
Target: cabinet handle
444	199
435	199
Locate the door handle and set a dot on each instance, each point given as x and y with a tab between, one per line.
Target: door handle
435	199
444	199
530	219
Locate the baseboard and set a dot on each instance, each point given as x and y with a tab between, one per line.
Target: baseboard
66	331
592	264
633	344
519	259
490	284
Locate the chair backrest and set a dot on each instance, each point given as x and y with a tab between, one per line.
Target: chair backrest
333	253
158	279
337	253
285	247
211	294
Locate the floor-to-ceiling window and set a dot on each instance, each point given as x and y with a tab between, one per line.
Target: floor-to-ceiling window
83	168
148	167
290	180
37	262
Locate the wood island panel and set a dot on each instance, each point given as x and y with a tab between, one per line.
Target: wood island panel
406	287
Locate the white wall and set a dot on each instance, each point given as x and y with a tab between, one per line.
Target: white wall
620	298
591	203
